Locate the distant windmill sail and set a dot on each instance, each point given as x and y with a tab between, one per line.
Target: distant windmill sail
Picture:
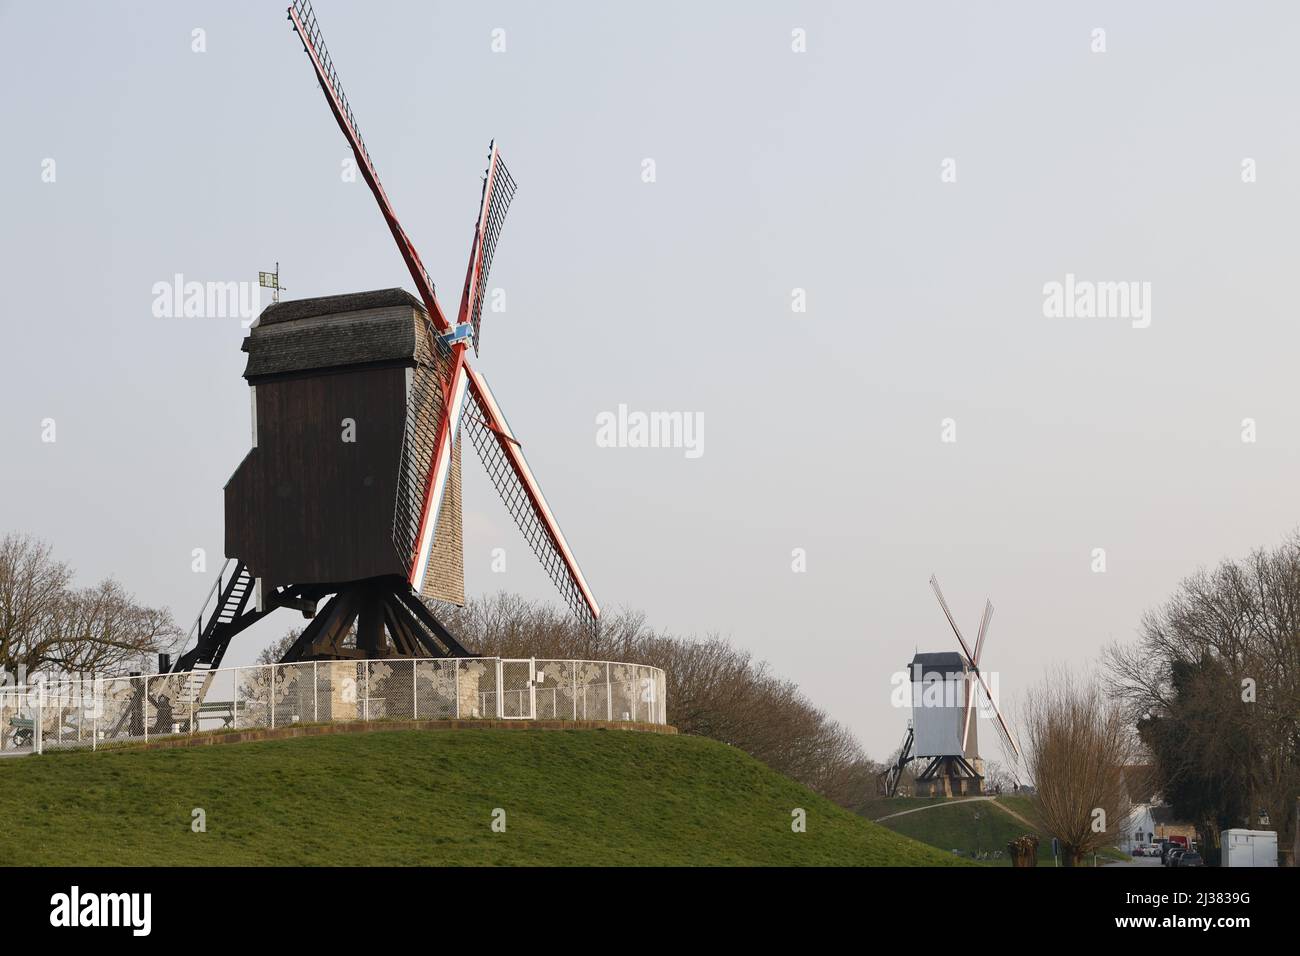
972	660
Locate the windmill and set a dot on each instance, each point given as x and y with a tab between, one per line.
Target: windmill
351	491
943	704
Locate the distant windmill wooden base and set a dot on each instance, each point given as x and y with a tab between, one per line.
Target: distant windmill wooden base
951	777
350	494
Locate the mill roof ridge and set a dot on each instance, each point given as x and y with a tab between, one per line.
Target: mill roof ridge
293	309
938	659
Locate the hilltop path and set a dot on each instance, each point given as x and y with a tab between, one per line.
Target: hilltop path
948	803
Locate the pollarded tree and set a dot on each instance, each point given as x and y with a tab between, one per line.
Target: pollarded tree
1077	743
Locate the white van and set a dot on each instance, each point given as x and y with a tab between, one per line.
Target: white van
1248	848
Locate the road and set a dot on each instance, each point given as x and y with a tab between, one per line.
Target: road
1138	861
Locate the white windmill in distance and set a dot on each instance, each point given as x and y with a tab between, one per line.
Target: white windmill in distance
943	704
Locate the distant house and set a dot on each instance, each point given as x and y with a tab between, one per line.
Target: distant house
1168	826
1140	828
1151	820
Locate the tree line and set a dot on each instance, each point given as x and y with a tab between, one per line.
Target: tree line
1212	688
1201	708
48	624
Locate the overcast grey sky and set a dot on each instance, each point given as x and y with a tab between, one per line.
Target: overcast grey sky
775	171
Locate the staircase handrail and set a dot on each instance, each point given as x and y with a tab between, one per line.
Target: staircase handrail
197	627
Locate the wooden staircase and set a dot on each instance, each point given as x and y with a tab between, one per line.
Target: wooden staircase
228	602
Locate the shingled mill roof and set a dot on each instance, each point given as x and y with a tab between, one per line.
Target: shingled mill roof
359	328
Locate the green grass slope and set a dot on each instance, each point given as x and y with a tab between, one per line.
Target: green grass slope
424	798
970	826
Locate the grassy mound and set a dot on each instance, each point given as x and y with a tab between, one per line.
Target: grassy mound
427	799
971	827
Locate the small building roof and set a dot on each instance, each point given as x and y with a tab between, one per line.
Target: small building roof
358	328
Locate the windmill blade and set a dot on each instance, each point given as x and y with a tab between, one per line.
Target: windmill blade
970	707
498	191
984	627
504	460
304	23
934	583
451	386
1003	730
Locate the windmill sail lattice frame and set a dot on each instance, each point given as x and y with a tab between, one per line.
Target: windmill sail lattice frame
448	383
972	660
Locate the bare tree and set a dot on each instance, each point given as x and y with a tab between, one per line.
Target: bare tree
998	777
102	629
275	651
32	588
1077	745
44	623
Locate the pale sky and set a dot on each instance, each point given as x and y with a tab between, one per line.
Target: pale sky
775	171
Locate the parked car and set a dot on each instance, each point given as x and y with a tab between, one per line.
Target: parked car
1171	859
1189	858
1169	846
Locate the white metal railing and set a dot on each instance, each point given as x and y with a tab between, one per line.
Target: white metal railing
56	712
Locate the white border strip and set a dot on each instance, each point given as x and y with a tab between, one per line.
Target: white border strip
439	486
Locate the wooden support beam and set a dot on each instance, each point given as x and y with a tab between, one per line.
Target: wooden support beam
451	646
391	622
398	623
324	636
370	624
423	643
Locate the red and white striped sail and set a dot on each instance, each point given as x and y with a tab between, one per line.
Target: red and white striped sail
462	387
313	42
498	191
503	457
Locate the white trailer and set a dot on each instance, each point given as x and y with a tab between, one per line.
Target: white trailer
1248	848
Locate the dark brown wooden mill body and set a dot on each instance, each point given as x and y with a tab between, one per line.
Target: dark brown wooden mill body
346	395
